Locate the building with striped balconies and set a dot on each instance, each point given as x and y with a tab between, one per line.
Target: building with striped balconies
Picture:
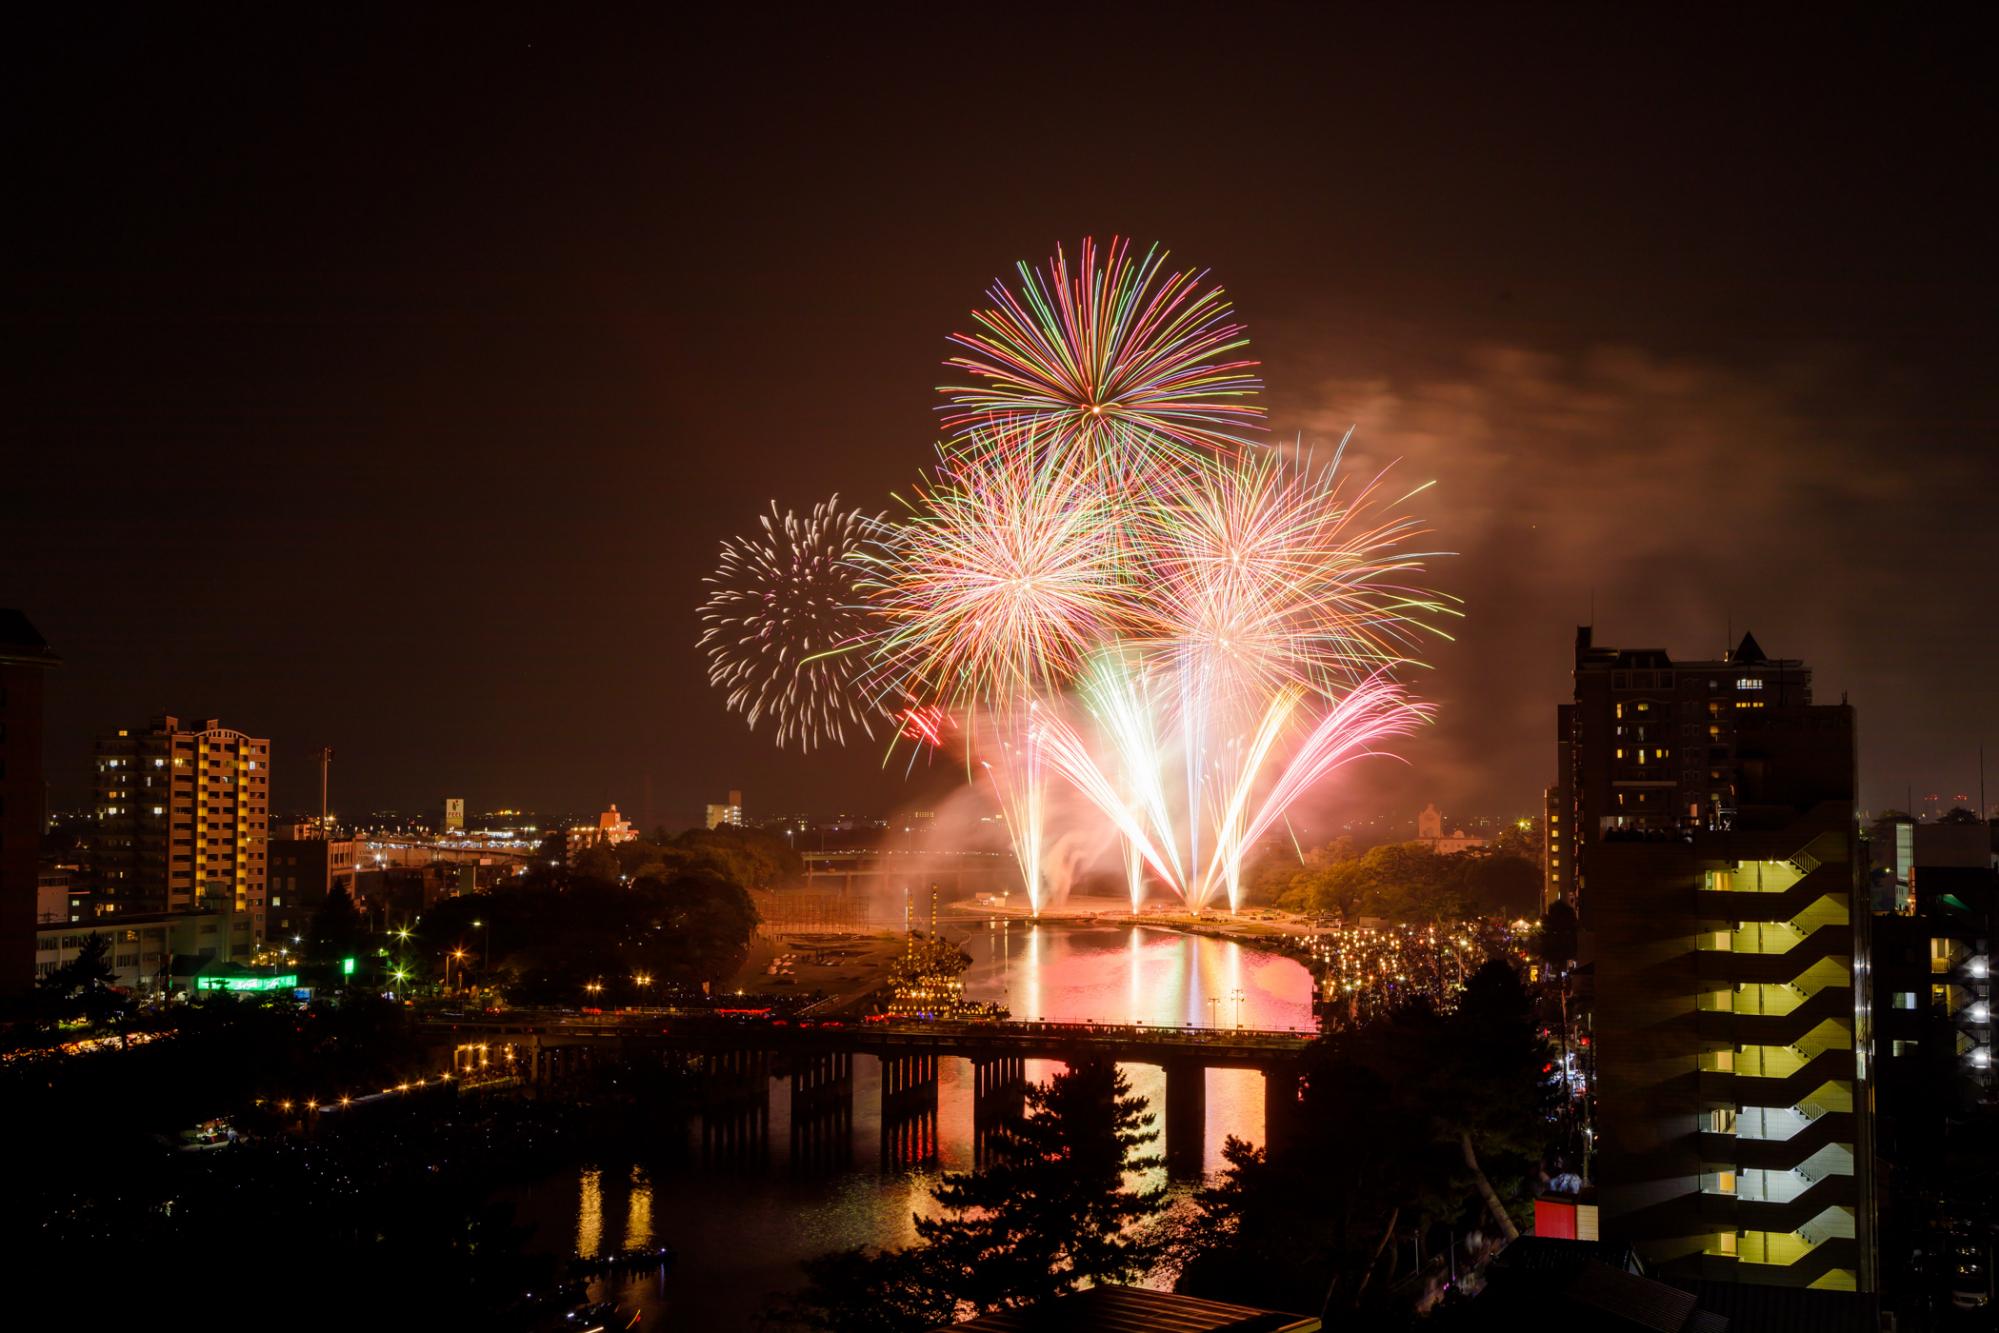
1729	940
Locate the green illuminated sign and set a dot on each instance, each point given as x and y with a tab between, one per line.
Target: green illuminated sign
347	967
283	981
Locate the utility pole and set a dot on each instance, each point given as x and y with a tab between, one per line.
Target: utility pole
325	777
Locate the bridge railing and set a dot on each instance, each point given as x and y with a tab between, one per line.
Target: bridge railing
700	1022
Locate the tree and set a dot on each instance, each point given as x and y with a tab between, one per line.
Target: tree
85	983
336	930
597	861
1051	1210
1048	1212
750	857
872	1291
1957	814
1497	884
1450	1112
548	942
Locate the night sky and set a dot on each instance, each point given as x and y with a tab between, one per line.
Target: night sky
390	384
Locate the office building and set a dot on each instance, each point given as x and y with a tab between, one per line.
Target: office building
151	953
303	870
182	819
730	814
1719	891
24	658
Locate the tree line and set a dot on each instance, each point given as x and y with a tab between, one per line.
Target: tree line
1399	881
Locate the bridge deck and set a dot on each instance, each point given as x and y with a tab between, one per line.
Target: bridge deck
1131	1043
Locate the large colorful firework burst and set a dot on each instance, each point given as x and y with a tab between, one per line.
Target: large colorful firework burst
1266	569
1008	568
1123	354
786	628
1105	582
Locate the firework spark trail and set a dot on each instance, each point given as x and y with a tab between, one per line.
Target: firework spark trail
785	626
1129	357
1014	768
1070	755
1115	690
1374	711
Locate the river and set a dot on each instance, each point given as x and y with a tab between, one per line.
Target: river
741	1233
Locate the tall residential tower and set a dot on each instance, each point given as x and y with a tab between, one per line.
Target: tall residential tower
183	818
1710	809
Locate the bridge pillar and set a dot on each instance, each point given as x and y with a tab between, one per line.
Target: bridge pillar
1280	1108
735	1105
909	1109
1186	1117
822	1111
999	1094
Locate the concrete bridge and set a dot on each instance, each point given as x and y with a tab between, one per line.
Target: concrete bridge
738	1059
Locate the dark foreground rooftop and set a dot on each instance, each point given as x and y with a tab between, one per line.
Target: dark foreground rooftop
1134	1310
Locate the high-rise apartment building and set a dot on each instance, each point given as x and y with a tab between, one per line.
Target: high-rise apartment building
1717	876
183	817
24	656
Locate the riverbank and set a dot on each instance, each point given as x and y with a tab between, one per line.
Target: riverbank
847	968
1259	927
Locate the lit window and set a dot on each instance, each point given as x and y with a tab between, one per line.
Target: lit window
1748	683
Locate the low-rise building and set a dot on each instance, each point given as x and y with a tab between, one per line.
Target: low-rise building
144	946
1430	832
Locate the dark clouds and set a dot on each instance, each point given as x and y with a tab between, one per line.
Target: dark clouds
1677	501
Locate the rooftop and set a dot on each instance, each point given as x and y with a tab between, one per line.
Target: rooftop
20	641
1136	1310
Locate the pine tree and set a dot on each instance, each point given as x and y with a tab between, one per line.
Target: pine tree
1051	1209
